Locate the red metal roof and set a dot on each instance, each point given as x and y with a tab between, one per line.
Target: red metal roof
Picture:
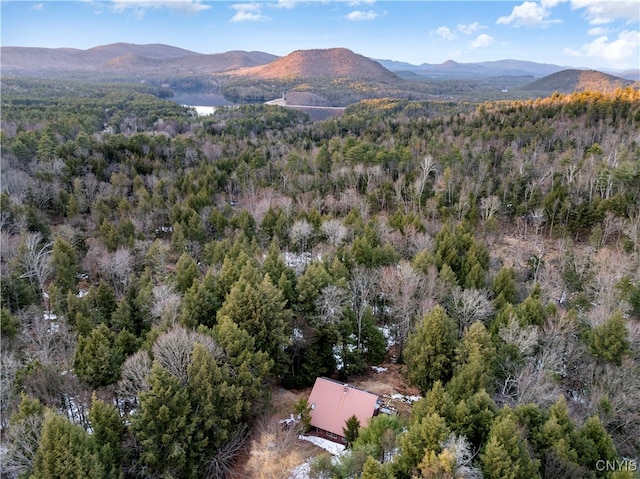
332	403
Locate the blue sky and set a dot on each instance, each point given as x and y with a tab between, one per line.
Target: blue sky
581	33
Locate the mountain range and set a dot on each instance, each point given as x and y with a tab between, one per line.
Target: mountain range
255	76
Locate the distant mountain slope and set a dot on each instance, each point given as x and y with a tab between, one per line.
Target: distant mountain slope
568	81
330	63
194	64
124	57
454	69
154	50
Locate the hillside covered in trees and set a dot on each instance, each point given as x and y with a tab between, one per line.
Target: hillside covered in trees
163	272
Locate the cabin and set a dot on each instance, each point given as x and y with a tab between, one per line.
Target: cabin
333	402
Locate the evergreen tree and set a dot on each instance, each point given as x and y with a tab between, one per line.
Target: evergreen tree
609	340
351	430
201	302
426	435
506	454
66	451
430	349
380	436
504	287
594	444
108	432
475	356
473	417
162	426
261	311
309	286
186	272
98	360
217	404
65	266
250	367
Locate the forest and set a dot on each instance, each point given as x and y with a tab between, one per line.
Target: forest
163	273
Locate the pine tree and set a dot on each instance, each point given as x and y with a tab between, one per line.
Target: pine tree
218	406
97	359
475	356
609	340
108	432
66	451
379	436
430	349
261	311
425	435
351	430
65	267
250	367
506	455
186	272
309	286
162	426
201	303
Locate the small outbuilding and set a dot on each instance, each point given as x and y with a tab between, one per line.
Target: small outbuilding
333	402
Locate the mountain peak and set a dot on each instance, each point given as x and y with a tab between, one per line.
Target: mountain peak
570	80
321	63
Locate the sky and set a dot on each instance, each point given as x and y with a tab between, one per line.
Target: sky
595	34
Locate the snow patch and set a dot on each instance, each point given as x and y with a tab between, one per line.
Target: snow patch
329	446
407	399
379	369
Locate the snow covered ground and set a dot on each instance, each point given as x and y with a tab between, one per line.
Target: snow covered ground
302	471
329	446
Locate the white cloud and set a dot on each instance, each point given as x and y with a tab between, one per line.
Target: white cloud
445	33
186	7
355	3
247	12
599	12
482	40
288	4
621	52
468	29
529	14
38	6
362	15
598	31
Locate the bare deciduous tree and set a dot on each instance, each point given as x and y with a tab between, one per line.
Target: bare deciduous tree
21	444
362	285
525	338
489	206
116	268
330	304
617	388
36	260
134	375
9	366
335	231
48	339
166	304
300	233
221	462
468	306
536	385
427	167
173	350
403	289
461	450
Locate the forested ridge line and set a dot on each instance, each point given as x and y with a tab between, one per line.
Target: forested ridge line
161	272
